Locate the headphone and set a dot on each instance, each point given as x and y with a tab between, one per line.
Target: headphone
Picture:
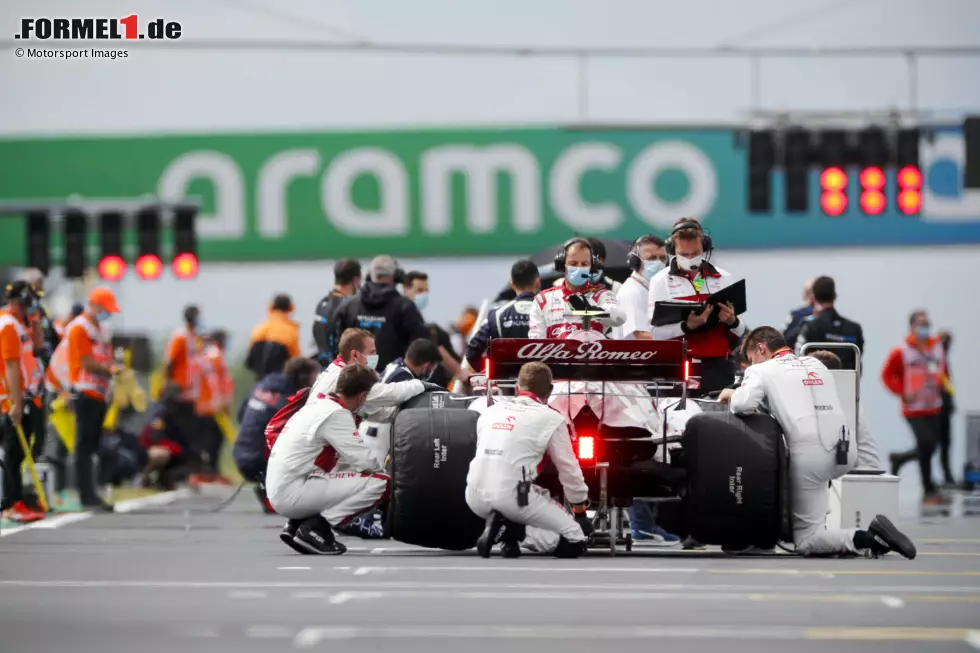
562	253
705	238
633	260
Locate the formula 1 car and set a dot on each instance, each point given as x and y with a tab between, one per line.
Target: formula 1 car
635	431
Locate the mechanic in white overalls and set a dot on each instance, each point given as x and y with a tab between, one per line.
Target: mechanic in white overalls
801	395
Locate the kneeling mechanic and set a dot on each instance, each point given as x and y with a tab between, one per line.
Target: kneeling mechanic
801	395
321	473
512	439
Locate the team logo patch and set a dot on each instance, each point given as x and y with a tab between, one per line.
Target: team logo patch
812	379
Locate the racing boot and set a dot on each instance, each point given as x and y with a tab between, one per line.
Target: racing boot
882	537
566	549
315	535
288	535
491	534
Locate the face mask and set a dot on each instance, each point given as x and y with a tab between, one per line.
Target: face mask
422	300
372	361
577	276
692	263
651	268
922	332
102	317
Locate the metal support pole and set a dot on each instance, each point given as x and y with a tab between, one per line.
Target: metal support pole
912	62
755	85
583	87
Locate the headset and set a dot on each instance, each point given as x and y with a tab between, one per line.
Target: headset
22	293
563	252
633	260
399	274
689	224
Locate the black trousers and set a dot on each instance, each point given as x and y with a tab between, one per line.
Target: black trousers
13	453
927	431
211	440
183	419
89	416
945	437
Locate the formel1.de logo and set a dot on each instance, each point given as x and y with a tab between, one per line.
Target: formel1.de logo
97	29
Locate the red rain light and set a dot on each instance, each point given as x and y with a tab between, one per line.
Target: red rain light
687	370
833	179
910	177
112	268
872	202
586	447
909	201
833	202
185	266
149	267
872	178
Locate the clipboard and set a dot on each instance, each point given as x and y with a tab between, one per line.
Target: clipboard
734	293
672	312
668	312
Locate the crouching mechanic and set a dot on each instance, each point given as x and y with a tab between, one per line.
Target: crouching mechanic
801	394
321	473
512	438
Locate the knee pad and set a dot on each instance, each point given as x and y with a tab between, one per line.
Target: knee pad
566	549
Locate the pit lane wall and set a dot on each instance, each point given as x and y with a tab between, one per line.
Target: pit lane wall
472	192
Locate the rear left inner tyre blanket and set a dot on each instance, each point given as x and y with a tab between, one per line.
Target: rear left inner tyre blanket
431	454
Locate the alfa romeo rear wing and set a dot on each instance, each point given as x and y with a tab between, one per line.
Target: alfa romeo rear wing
663	362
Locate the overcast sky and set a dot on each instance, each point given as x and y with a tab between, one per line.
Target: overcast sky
175	89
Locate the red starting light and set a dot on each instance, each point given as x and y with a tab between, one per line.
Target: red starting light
872	202
833	179
112	268
149	267
910	177
909	201
185	266
872	178
586	447
833	202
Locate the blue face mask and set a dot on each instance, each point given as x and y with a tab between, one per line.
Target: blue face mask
922	332
577	276
650	268
102	317
422	300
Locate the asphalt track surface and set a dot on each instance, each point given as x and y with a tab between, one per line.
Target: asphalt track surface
178	578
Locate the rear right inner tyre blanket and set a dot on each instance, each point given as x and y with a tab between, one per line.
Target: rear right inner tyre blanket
431	454
737	469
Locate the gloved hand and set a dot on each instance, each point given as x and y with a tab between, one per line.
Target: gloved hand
579	303
582	519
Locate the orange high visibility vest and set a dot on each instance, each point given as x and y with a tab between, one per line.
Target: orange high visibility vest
31	373
79	379
924	371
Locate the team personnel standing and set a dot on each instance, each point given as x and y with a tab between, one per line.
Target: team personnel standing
691	277
647	257
576	260
321	473
346	283
512	439
796	317
393	319
511	320
827	325
801	395
21	381
274	341
182	362
214	398
416	288
90	370
915	372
